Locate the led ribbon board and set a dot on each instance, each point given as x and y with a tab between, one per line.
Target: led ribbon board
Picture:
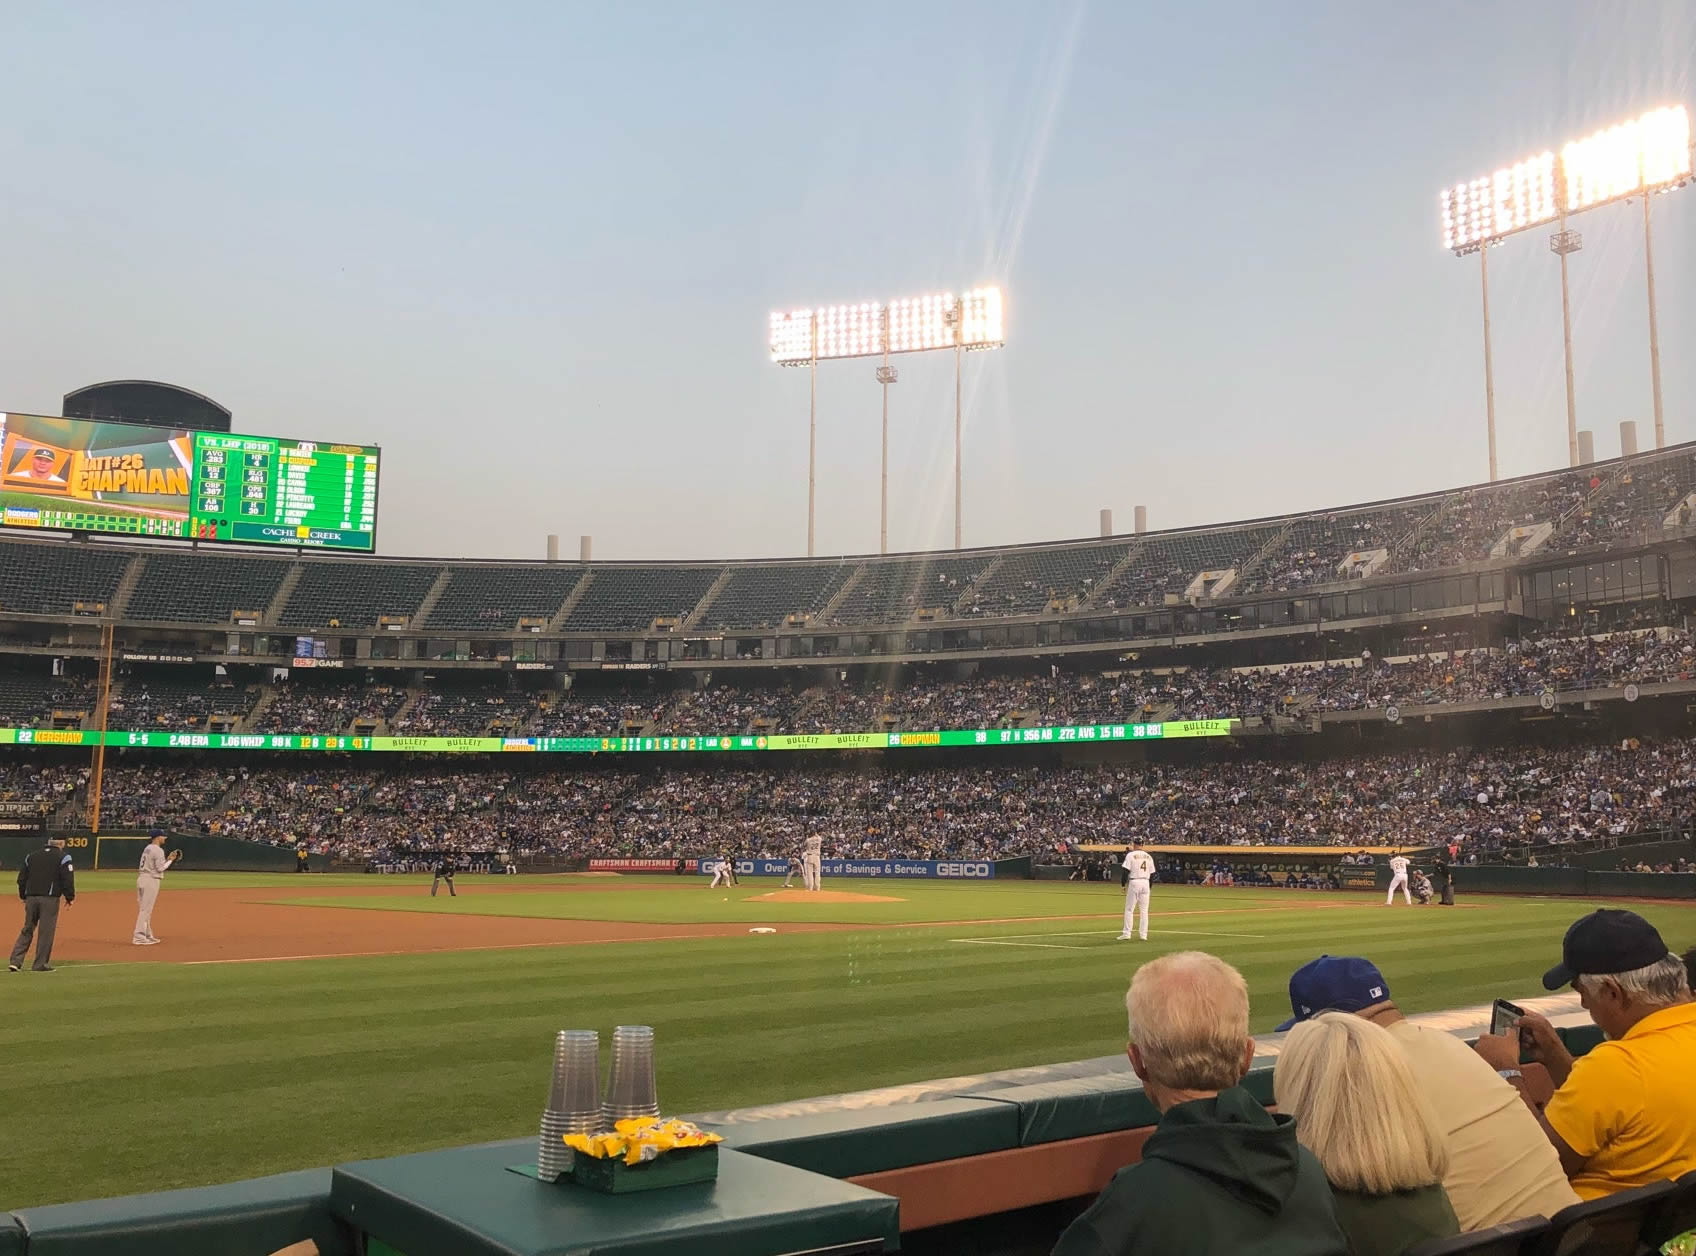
1087	733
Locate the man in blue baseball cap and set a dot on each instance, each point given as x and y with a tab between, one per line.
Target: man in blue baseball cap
1334	983
1501	1166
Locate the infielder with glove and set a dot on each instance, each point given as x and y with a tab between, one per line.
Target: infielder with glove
154	864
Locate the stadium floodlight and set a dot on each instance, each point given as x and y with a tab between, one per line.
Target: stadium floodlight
966	323
1648	154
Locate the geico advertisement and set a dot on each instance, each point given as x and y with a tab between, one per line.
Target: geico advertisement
973	869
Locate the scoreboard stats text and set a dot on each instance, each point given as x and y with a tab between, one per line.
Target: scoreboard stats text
259	490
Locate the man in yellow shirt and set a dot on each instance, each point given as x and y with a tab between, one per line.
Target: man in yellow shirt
1623	1115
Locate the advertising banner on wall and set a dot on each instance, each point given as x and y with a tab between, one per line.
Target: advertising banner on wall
948	869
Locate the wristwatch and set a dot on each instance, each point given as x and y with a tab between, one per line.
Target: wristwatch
1509	1073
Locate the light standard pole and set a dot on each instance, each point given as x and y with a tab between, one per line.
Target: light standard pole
1489	368
1640	156
1563	243
812	428
1654	332
886	375
868	329
953	320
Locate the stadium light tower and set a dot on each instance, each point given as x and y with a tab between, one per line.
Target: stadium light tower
1642	157
965	324
886	375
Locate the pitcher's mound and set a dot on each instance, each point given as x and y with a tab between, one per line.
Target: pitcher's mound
822	896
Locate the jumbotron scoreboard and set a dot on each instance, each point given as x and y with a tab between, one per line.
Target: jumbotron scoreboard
285	492
94	476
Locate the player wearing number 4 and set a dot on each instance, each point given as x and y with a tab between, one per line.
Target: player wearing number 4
154	864
1139	870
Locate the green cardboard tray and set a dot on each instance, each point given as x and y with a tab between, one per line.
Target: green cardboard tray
675	1168
682	1167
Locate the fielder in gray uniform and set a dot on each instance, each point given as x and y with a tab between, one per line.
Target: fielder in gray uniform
154	864
811	859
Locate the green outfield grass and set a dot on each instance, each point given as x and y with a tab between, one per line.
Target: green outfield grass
149	1076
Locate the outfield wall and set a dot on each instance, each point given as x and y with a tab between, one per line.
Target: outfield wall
122	851
908	869
904	869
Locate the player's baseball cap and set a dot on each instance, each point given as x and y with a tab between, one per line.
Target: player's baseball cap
1334	983
1606	941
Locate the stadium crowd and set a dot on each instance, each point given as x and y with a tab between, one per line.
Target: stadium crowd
326	706
342	703
1502	803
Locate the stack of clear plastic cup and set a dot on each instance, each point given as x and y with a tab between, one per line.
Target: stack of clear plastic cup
630	1090
573	1099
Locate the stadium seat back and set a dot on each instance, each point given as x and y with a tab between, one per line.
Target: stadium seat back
1611	1226
1675	1214
1511	1238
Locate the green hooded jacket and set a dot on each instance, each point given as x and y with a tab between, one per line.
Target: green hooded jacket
1219	1177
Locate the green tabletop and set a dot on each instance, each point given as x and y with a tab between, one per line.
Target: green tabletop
463	1202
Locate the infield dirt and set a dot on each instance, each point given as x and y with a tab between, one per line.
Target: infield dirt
209	926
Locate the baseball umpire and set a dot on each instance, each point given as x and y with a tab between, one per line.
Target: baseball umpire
444	872
45	878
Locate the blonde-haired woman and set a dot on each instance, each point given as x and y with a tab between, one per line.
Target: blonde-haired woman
1358	1111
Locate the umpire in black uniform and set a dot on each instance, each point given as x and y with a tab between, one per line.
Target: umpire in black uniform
444	872
45	878
1445	879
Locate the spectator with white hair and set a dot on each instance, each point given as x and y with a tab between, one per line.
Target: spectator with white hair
1359	1110
1501	1167
1623	1115
1220	1175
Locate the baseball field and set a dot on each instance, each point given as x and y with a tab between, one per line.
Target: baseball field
294	1021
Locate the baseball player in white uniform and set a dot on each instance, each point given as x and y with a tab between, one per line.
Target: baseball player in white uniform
721	874
1139	871
154	864
811	856
1398	877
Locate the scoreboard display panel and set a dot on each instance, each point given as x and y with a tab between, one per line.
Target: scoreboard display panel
84	475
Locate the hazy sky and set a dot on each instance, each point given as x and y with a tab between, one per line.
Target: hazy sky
530	249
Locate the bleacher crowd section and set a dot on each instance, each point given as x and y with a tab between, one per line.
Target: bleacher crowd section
190	697
1502	803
